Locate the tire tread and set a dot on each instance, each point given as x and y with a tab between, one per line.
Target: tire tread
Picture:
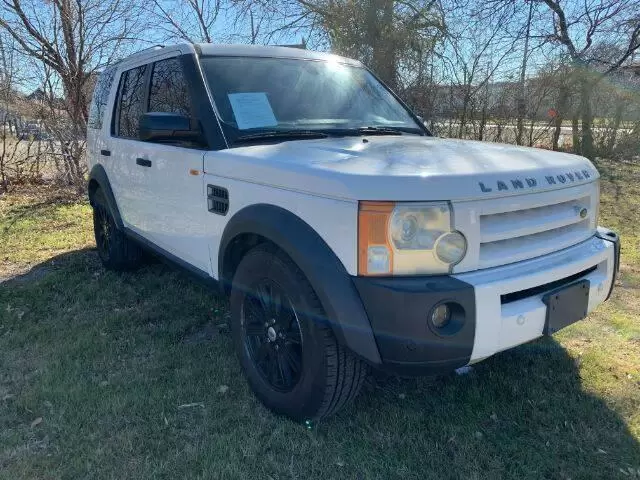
124	253
345	372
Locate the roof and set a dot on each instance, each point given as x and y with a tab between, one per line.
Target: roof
210	49
221	50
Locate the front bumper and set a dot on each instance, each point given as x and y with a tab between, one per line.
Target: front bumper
503	306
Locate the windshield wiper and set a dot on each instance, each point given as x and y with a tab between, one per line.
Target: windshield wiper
280	135
373	130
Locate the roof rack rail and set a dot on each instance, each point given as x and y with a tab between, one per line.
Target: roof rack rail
302	45
157	45
134	54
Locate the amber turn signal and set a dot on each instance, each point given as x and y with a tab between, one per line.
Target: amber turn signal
375	255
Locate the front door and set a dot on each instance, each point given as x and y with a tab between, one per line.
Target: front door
178	207
166	203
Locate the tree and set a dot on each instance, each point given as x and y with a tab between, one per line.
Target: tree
7	98
244	21
189	20
522	104
582	29
72	39
561	77
479	48
386	35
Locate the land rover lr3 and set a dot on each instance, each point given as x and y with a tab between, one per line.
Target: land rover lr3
347	236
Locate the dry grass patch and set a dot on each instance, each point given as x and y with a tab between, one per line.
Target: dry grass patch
96	370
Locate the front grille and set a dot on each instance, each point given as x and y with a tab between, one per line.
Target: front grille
501	231
522	234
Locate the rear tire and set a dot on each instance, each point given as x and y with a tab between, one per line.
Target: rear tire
292	360
117	251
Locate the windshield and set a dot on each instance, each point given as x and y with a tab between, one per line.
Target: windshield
254	95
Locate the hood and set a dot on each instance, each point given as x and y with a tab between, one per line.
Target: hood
402	168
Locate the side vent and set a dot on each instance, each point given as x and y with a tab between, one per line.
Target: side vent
217	199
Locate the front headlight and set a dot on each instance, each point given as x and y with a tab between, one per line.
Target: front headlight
407	238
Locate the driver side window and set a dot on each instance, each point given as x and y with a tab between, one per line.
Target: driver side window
169	92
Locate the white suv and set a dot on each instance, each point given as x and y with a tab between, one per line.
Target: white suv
347	236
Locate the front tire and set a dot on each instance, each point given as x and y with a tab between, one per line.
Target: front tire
292	360
117	251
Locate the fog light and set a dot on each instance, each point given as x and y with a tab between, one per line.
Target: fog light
440	315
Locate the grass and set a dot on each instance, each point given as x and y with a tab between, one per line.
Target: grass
133	376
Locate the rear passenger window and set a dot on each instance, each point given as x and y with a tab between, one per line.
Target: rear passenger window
169	92
100	98
131	106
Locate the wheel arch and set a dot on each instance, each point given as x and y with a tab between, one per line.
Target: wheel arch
98	179
307	249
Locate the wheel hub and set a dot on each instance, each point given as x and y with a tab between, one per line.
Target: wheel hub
272	334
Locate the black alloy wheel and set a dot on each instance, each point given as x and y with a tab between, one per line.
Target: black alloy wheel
272	335
284	341
103	231
117	251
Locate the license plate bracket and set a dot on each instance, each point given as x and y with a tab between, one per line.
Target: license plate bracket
566	305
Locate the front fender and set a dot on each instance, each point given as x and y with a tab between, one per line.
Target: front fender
324	271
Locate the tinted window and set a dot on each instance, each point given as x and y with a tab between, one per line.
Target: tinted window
169	91
100	98
132	91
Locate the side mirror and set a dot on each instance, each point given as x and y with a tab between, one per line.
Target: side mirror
169	128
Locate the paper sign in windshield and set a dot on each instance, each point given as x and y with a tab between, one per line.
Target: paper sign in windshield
252	110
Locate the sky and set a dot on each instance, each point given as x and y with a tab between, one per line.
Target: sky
226	30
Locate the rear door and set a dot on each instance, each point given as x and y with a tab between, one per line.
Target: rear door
97	133
130	182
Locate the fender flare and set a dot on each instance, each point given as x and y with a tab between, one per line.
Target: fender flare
98	178
324	271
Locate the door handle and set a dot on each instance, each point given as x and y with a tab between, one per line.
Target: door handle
105	153
143	162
